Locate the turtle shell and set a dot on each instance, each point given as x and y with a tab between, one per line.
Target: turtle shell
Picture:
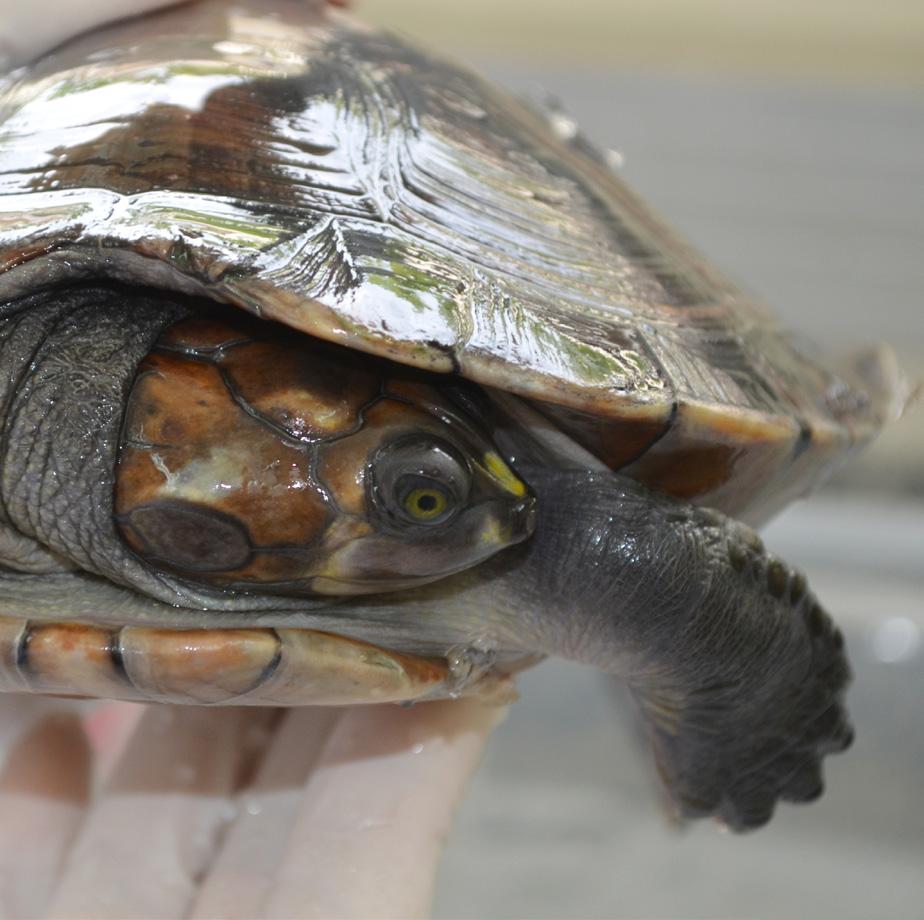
281	158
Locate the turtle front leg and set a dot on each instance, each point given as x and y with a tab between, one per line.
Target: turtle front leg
739	672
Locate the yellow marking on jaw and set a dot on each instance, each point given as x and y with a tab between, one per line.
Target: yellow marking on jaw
493	533
503	474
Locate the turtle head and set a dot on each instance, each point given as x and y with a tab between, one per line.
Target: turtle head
430	495
261	460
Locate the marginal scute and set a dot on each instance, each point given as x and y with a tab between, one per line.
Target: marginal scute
203	666
330	670
64	657
225	666
620	441
11	635
720	456
204	335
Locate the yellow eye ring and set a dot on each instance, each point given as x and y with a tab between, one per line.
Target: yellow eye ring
425	504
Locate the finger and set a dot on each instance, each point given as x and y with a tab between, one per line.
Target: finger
150	835
375	812
109	726
239	879
45	783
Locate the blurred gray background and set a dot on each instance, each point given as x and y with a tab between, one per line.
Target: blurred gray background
786	140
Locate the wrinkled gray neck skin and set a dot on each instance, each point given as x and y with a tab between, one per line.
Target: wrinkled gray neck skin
738	671
67	360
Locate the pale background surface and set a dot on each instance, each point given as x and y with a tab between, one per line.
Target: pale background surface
853	41
786	139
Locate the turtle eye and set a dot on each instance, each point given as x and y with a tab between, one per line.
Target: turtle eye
419	482
423	499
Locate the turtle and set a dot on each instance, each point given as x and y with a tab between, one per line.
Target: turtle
334	374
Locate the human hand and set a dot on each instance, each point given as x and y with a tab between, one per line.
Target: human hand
122	810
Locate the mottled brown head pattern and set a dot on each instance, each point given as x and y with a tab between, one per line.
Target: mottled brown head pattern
254	456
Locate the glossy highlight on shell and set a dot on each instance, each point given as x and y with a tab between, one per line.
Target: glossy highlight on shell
344	183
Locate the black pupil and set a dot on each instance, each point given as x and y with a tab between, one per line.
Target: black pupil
426	502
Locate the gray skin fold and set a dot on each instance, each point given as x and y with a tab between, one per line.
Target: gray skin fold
737	670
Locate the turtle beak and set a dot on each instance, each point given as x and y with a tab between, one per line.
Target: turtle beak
523	516
507	524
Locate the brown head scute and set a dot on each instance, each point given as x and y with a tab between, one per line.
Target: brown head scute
254	457
195	447
189	537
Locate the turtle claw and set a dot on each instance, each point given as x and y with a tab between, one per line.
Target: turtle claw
750	815
805	784
748	800
733	750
